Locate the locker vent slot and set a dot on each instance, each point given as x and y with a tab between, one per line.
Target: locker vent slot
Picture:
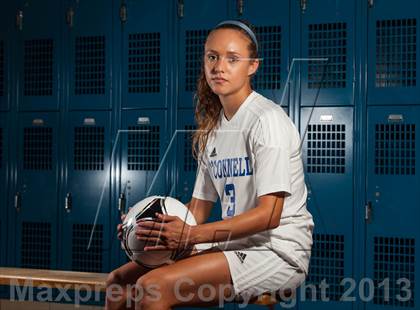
89	148
144	63
143	148
90	66
1	148
82	258
396	53
37	148
394	258
38	68
395	149
326	148
1	68
269	74
327	41
36	245
327	264
190	164
194	41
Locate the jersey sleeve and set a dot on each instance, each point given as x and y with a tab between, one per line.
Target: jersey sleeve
272	155
204	188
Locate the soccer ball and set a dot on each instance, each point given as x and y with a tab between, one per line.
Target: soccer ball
145	210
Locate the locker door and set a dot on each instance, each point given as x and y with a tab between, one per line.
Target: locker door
328	159
36	190
327	32
88	180
393	55
143	143
393	182
90	54
271	19
185	163
7	14
198	18
39	50
4	181
147	53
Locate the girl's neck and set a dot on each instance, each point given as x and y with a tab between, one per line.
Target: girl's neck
232	102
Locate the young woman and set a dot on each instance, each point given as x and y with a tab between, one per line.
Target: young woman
249	157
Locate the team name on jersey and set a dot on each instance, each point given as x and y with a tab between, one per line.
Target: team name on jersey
231	167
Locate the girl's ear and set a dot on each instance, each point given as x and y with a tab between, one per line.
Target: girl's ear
253	67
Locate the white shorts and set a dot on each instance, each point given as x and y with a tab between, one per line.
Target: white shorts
257	269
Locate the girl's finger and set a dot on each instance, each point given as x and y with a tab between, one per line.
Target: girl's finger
148	233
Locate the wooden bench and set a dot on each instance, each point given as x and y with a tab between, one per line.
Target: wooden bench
75	280
53	278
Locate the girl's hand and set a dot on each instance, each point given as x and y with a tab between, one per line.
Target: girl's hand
167	233
119	228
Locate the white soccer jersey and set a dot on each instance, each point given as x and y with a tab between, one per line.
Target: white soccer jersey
258	152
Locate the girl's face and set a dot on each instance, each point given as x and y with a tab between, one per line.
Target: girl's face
226	70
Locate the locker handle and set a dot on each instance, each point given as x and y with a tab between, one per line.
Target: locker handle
121	203
368	212
68	204
17	201
240	7
371	4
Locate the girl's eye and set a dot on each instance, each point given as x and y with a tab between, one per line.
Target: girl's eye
233	60
211	58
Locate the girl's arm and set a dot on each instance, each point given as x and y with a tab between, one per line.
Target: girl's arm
263	217
201	209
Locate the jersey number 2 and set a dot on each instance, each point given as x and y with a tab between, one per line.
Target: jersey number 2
230	193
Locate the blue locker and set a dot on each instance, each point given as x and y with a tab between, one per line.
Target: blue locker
90	47
198	18
143	142
87	180
327	152
4	181
393	55
392	231
34	219
328	32
271	19
147	54
39	51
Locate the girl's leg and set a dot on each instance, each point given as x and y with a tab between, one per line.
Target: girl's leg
196	280
117	294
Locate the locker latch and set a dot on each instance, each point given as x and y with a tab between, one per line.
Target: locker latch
371	3
123	13
68	203
17	201
240	7
121	203
303	4
70	17
19	20
180	8
368	212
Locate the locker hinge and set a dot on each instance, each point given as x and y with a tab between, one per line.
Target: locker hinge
121	203
123	13
19	20
17	201
371	3
368	212
70	17
303	4
240	7
180	8
68	203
